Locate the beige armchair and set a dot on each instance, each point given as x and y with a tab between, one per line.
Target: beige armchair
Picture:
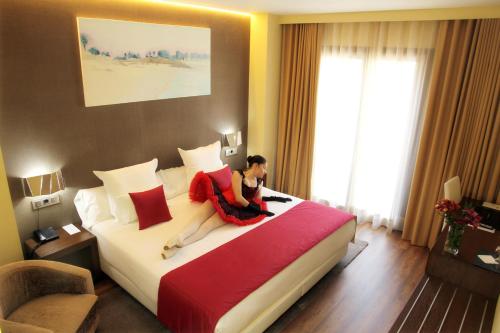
46	296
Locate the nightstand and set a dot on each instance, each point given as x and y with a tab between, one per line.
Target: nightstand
65	245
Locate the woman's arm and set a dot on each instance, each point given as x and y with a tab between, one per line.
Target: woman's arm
236	185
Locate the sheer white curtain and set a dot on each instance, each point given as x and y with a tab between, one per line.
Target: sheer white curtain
371	94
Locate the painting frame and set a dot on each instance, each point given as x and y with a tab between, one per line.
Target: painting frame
128	61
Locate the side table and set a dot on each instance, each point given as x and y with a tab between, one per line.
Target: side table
67	244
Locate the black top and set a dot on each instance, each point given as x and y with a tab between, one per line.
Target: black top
249	192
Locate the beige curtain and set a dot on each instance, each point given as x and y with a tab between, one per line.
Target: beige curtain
300	51
461	133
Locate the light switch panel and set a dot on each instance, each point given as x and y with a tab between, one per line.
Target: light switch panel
231	151
45	202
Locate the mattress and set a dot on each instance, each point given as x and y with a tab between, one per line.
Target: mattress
132	258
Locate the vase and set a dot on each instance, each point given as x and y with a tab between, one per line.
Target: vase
454	238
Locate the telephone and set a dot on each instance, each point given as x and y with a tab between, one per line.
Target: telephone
45	235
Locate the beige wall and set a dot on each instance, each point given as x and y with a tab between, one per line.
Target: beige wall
265	51
10	246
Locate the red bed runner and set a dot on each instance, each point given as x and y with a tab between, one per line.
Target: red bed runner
193	297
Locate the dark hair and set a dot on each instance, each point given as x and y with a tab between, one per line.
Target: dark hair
255	159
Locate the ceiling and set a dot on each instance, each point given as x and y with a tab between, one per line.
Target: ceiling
331	6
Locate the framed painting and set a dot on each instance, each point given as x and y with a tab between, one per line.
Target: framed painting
125	61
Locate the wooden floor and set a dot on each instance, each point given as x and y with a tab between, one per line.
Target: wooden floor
438	306
368	295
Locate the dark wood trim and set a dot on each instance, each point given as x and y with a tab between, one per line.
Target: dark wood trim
439	306
67	244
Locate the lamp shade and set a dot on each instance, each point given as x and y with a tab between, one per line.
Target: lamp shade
43	184
224	141
232	139
238	139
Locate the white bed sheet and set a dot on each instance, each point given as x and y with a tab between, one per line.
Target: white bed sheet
134	255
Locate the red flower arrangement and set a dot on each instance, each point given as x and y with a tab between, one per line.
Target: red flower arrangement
454	213
457	218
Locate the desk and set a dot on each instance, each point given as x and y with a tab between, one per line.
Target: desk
459	269
67	244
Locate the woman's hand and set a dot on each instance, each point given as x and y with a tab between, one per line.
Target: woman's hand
256	208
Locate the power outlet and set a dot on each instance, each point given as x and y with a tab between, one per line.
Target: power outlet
45	202
231	151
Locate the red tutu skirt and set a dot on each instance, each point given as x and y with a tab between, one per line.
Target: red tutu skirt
202	188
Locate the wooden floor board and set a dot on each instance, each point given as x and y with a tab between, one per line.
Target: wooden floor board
447	308
420	311
472	320
457	311
438	310
488	318
409	305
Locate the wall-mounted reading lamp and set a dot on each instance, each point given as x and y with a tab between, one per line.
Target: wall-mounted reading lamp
231	141
42	187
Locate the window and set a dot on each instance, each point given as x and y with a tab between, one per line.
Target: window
367	122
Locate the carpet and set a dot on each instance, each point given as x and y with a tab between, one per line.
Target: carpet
120	312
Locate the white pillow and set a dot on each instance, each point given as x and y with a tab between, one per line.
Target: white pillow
92	206
125	209
205	158
174	181
120	182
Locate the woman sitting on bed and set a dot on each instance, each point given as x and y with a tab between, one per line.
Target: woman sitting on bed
246	189
247	186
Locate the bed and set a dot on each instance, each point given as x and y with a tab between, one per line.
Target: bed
132	259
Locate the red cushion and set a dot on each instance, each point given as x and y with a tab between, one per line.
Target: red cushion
151	207
222	177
